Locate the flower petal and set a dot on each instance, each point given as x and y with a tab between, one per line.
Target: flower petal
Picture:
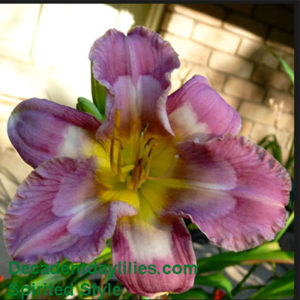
135	69
238	208
40	129
141	52
155	242
36	227
198	111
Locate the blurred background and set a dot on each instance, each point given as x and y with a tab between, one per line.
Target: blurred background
44	53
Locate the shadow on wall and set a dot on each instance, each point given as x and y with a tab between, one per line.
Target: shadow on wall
229	45
279	16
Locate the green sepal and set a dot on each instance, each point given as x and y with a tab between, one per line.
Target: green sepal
89	107
98	93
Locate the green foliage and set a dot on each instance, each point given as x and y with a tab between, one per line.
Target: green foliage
55	279
289	71
270	142
280	288
194	293
217	280
268	252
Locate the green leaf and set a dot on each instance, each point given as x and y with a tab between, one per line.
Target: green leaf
195	293
266	139
289	71
48	278
79	288
275	150
98	93
270	142
18	281
217	280
268	252
87	106
280	288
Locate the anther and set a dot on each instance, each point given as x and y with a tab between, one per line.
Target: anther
144	129
148	165
134	180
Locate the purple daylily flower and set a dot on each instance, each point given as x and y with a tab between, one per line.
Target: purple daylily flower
154	160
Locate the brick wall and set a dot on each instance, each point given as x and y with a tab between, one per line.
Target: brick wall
228	45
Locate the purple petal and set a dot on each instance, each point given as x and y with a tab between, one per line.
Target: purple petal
136	70
156	242
141	52
40	129
36	227
241	202
198	111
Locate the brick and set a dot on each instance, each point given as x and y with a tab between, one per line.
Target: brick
268	76
216	38
287	122
290	141
243	89
232	101
215	79
264	115
246	128
260	130
187	70
275	15
178	24
281	40
245	26
189	50
257	52
257	113
206	13
289	59
244	8
287	99
231	64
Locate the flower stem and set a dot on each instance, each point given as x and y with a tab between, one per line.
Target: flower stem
239	286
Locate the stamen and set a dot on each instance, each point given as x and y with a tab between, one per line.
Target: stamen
133	183
140	172
140	142
144	129
148	165
147	144
111	155
120	174
112	145
117	118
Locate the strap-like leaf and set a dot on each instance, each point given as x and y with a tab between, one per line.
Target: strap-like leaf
280	288
268	252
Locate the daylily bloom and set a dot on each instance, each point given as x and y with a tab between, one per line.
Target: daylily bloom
154	160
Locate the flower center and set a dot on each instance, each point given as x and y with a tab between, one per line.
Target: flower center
137	172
